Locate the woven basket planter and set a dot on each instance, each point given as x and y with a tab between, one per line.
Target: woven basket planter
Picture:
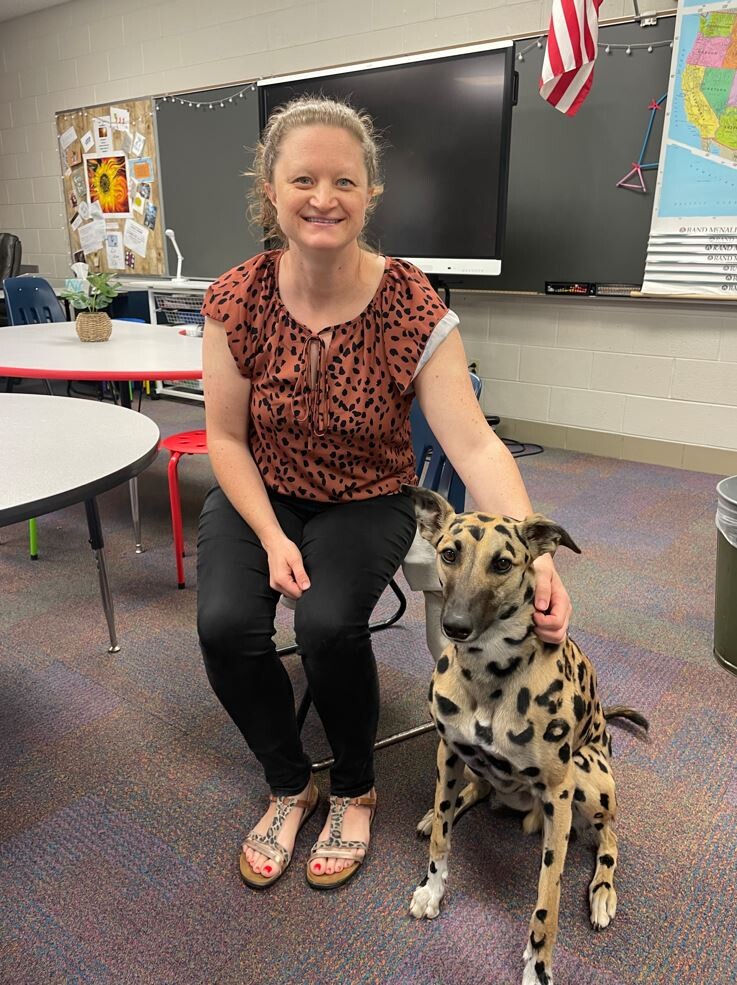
93	326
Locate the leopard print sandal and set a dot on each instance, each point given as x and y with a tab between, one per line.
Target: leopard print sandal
335	846
267	844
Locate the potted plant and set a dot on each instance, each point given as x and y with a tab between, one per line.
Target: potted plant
89	296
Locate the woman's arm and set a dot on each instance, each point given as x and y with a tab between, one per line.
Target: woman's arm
227	411
483	462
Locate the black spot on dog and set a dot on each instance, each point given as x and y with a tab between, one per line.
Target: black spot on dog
579	795
446	706
539	786
474	649
445	829
598	825
440	727
523	700
579	707
466	673
600	885
430	692
530	771
495	694
541	914
548	857
451	783
582	762
497	670
508	612
500	529
535	943
522	738
544	698
549	809
433	868
564	795
606	860
564	752
442	665
424	881
476	532
465	750
581	673
529	592
604	801
444	806
542	976
500	765
483	733
510	641
601	766
452	760
557	729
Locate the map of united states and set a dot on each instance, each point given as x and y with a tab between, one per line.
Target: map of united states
709	84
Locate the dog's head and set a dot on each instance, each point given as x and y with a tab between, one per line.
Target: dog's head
484	562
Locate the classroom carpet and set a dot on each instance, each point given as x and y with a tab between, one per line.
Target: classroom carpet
126	790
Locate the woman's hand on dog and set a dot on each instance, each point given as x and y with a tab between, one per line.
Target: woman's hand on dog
552	603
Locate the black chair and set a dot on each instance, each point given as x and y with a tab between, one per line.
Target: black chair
11	252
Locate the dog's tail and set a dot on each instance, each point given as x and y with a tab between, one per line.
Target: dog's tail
620	711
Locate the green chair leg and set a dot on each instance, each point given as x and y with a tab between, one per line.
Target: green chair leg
33	539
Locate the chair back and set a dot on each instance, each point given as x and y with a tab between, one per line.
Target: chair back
11	252
31	300
434	470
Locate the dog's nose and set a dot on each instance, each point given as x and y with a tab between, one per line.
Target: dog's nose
456	628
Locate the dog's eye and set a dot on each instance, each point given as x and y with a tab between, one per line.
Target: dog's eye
501	565
448	555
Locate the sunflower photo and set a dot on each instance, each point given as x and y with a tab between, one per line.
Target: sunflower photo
107	183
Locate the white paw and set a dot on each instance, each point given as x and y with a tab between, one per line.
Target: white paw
603	906
531	976
425	826
426	901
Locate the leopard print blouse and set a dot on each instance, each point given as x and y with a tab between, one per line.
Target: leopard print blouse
330	410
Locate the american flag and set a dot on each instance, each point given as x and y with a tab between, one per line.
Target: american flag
568	68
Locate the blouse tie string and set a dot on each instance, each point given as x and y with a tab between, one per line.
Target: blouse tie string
310	399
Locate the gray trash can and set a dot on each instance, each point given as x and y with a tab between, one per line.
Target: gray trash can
725	603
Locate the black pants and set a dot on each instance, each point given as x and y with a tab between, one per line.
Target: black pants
350	552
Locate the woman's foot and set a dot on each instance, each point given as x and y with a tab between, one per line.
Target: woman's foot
347	829
293	817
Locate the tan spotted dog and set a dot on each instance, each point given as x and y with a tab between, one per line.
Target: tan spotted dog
522	715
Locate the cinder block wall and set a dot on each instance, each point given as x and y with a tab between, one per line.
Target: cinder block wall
655	381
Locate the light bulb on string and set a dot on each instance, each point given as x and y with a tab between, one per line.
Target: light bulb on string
520	57
608	50
628	51
650	49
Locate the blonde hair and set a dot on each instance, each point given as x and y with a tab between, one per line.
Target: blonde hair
308	111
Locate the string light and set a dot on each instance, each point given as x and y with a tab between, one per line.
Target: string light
608	47
220	103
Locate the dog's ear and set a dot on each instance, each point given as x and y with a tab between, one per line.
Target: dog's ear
543	536
431	510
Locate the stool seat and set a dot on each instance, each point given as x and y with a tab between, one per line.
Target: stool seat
183	443
187	442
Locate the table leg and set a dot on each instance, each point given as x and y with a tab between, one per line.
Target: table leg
125	401
97	545
135	513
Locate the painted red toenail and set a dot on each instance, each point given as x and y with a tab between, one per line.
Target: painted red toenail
318	867
267	869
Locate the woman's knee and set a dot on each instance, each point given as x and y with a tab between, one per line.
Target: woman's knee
230	633
327	632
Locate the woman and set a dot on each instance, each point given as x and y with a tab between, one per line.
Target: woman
312	356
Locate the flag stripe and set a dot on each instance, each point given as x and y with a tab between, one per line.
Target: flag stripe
568	65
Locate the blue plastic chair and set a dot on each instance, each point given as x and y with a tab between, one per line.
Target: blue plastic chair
31	301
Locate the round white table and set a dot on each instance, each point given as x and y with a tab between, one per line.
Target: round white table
57	452
134	351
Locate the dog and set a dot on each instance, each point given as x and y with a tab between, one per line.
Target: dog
514	714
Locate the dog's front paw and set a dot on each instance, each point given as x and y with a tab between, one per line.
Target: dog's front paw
426	900
603	905
425	825
535	973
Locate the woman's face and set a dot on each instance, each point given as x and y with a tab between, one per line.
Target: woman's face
320	188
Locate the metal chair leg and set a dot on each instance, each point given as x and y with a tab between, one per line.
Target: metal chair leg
135	513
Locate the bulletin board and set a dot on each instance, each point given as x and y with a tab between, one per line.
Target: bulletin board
112	188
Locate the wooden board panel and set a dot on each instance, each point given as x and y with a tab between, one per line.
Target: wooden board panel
112	188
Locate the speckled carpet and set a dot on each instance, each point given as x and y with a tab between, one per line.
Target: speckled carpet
126	790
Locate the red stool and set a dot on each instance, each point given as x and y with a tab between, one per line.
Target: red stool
184	443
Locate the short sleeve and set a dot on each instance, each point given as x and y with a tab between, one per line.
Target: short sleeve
415	322
236	301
